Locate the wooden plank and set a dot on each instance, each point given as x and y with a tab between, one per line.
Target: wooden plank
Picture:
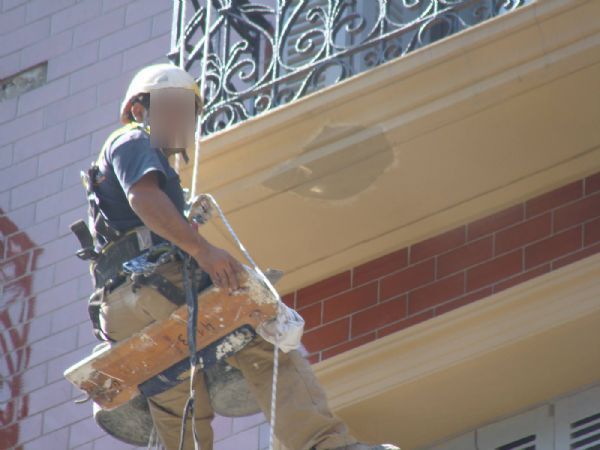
112	375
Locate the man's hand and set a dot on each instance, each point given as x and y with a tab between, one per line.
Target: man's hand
158	213
224	270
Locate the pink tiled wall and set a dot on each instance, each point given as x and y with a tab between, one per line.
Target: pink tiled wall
47	135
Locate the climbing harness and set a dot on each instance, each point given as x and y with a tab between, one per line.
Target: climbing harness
118	256
192	304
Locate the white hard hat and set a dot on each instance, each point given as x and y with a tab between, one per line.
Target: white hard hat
158	76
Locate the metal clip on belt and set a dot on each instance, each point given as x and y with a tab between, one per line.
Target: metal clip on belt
81	230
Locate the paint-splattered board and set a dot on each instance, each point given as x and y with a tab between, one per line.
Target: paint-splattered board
112	375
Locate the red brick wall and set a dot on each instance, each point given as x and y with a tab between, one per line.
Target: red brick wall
457	267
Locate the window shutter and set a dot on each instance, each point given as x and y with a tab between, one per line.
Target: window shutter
578	421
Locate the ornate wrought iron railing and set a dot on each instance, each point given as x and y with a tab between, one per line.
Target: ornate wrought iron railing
263	55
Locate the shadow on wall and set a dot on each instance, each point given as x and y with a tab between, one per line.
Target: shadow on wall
17	307
339	163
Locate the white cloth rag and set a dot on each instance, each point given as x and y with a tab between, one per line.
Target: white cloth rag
288	324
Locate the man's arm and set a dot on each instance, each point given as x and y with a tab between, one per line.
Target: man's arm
158	213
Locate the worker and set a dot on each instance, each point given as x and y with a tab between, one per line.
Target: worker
137	189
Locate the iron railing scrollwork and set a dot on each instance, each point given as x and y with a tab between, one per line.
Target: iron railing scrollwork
263	55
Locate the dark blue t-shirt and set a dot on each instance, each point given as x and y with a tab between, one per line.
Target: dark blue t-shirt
123	163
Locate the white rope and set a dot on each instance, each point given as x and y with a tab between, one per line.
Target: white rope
177	162
193	395
202	90
182	37
222	216
277	334
181	64
264	279
197	134
274	389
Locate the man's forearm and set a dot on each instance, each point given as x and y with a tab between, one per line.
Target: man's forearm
158	213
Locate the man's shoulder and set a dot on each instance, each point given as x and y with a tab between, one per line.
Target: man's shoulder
135	135
134	138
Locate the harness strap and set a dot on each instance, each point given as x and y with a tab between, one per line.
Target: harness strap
163	286
99	227
94	305
191	297
102	227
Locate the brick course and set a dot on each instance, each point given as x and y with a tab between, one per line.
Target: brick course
452	269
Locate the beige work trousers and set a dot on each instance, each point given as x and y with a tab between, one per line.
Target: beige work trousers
303	419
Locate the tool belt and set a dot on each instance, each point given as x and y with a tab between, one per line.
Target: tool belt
128	259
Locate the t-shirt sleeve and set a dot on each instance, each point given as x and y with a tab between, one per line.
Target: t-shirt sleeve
132	160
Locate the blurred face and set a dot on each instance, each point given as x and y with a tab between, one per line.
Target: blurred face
172	118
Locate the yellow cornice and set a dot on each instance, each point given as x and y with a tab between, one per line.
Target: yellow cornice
497	331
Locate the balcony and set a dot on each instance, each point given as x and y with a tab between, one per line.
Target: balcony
260	56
